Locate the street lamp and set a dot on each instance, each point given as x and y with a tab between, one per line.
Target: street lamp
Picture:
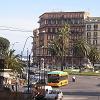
29	74
14	44
25	45
28	61
16	84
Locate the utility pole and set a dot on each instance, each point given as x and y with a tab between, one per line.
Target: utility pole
72	58
29	74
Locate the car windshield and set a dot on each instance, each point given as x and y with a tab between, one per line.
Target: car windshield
52	92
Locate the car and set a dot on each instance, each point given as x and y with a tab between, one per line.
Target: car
49	88
54	95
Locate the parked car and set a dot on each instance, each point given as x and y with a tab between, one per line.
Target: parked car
54	95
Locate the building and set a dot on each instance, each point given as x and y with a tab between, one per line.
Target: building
50	23
93	31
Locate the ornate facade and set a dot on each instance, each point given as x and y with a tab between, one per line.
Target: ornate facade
50	23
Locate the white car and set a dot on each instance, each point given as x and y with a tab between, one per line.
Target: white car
48	87
54	95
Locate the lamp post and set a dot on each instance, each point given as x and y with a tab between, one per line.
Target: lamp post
14	44
16	84
28	62
40	62
25	45
29	74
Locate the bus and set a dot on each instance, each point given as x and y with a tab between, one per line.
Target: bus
57	78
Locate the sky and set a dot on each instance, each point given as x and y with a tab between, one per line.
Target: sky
18	18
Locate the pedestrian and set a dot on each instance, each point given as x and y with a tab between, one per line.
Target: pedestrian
46	91
73	78
13	87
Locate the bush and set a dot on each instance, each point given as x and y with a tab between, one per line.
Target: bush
71	72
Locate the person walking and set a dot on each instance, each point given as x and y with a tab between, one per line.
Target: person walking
73	78
13	87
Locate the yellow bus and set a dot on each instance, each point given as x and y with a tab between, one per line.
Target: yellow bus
57	78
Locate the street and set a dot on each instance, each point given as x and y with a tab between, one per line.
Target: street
85	88
67	97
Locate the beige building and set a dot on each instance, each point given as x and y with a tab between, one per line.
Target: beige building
93	31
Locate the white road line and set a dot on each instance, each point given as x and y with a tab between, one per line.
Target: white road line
74	98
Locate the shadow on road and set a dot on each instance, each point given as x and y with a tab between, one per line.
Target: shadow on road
82	93
98	85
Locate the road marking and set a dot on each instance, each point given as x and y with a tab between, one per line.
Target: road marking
74	98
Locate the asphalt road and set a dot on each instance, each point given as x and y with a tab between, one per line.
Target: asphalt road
85	88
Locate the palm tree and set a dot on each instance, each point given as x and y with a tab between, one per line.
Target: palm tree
59	46
13	61
94	55
81	49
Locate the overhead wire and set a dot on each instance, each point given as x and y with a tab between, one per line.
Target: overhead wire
13	29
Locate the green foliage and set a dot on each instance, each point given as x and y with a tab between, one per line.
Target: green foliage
59	46
53	47
4	44
94	55
81	48
13	61
70	72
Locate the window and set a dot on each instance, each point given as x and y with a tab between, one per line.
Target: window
88	27
88	34
45	21
75	21
95	35
48	29
95	27
48	37
56	30
53	21
49	21
94	42
53	30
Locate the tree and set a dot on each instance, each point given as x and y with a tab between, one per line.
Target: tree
94	55
81	49
4	45
59	46
13	61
